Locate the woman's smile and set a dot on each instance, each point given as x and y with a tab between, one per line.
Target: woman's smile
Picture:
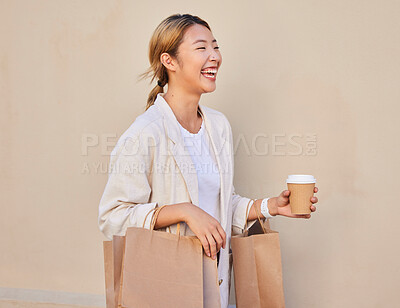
210	73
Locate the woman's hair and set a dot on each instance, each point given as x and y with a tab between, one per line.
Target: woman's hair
166	38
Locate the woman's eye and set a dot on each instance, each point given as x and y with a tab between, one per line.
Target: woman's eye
205	48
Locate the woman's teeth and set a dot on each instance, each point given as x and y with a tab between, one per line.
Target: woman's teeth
210	73
213	71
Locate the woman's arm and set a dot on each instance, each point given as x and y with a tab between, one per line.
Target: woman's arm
171	214
207	229
125	199
276	205
124	202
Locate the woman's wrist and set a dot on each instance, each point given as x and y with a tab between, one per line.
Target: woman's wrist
184	211
172	214
272	206
264	208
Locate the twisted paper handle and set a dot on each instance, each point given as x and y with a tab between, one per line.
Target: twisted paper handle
154	219
258	216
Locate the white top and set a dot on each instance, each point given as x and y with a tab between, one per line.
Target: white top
198	145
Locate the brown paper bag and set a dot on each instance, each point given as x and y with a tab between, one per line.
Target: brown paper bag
161	269
257	267
113	253
109	273
211	295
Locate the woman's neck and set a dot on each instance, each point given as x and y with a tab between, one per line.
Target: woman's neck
185	109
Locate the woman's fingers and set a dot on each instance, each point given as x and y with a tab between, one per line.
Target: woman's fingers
212	244
313	200
208	230
218	239
206	246
315	189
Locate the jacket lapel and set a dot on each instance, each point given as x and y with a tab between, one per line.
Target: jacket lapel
176	146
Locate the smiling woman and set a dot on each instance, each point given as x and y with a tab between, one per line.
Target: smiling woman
183	153
184	54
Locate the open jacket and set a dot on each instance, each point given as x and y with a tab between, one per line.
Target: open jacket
150	167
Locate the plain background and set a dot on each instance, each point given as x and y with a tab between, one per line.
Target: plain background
309	87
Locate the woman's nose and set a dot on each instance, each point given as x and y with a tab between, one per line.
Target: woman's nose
215	55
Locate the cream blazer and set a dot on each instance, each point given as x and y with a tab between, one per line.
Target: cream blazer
150	167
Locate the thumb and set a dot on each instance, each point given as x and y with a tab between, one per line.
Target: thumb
286	193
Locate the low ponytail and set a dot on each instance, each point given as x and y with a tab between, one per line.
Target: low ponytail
153	95
166	39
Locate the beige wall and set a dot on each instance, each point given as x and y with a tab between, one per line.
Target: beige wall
323	74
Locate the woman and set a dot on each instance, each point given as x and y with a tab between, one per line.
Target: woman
180	153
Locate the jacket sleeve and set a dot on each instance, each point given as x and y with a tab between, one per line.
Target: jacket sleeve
125	201
239	203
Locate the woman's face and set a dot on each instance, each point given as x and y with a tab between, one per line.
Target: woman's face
198	61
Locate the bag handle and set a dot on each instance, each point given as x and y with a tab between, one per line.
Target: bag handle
154	219
144	221
258	216
155	216
178	229
259	219
247	215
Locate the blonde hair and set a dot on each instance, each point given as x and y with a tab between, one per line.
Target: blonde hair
166	38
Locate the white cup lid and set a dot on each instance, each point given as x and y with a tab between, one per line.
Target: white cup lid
300	179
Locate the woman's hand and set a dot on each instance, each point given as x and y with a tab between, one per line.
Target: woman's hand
282	205
208	230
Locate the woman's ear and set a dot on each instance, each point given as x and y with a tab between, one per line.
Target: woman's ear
167	61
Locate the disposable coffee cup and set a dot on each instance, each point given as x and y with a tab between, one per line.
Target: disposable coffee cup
301	188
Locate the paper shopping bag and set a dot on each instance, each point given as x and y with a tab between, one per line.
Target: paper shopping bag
211	295
113	258
161	269
113	253
257	267
109	274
